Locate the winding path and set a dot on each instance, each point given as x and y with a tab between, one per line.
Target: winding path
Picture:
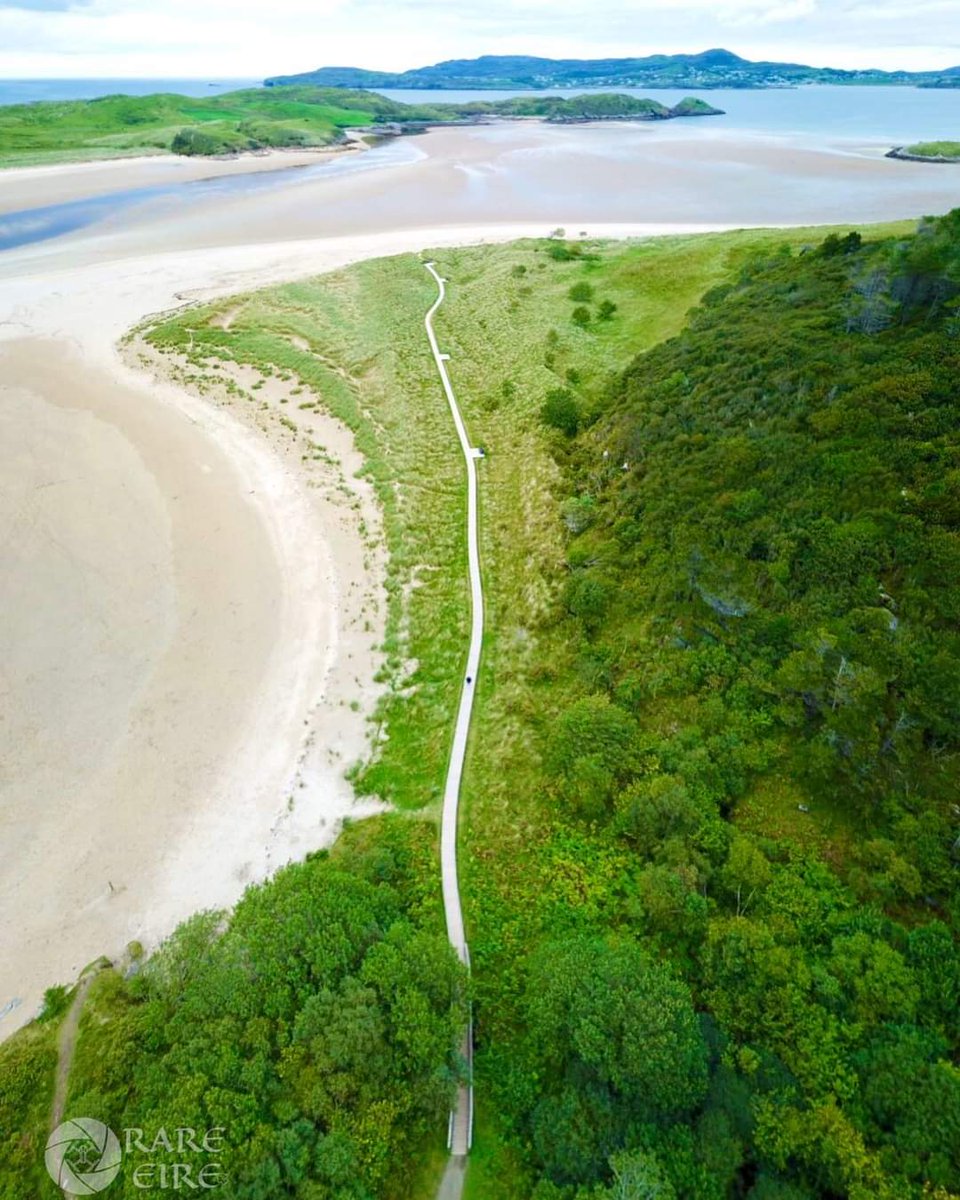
460	1133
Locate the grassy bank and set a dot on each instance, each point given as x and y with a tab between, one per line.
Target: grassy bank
948	150
265	118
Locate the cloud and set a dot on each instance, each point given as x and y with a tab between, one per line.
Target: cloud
237	38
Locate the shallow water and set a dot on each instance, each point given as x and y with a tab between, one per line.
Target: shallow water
890	114
55	220
668	172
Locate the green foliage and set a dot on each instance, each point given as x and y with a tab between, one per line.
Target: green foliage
27	1064
560	411
319	1025
616	1044
581	292
581	316
56	1001
949	150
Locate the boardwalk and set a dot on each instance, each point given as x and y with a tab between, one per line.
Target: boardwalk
461	1119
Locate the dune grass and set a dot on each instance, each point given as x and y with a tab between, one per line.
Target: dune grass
935	149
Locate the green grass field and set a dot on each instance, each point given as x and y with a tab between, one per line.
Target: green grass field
120	126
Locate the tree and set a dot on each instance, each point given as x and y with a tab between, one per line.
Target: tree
607	1021
560	411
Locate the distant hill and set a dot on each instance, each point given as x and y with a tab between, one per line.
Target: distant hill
710	69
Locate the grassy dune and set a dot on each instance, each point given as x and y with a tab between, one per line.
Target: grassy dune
935	149
264	118
120	126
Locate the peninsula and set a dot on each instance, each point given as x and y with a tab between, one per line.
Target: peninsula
290	118
936	152
710	69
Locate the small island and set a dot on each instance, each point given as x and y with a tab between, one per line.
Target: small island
933	152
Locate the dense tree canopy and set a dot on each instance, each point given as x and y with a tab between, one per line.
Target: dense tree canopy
760	730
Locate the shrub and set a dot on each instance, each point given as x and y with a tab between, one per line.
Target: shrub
560	411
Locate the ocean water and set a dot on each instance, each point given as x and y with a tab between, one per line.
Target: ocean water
892	114
25	91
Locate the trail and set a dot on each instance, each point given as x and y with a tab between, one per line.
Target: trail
460	1133
66	1044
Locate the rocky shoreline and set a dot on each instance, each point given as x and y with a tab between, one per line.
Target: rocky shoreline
903	153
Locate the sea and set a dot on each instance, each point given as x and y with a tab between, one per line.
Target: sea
28	91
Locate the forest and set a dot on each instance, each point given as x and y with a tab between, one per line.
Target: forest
317	1026
755	765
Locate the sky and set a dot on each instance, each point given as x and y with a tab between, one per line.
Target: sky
253	38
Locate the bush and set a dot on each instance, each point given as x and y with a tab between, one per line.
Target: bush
197	142
581	316
560	411
581	292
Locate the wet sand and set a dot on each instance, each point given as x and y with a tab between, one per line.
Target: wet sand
33	187
667	173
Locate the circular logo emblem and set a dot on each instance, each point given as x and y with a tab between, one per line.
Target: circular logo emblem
82	1156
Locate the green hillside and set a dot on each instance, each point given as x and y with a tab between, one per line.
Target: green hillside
709	69
264	118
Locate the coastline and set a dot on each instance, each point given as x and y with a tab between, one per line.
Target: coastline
901	153
236	722
136	170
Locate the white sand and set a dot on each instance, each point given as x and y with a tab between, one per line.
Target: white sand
184	610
